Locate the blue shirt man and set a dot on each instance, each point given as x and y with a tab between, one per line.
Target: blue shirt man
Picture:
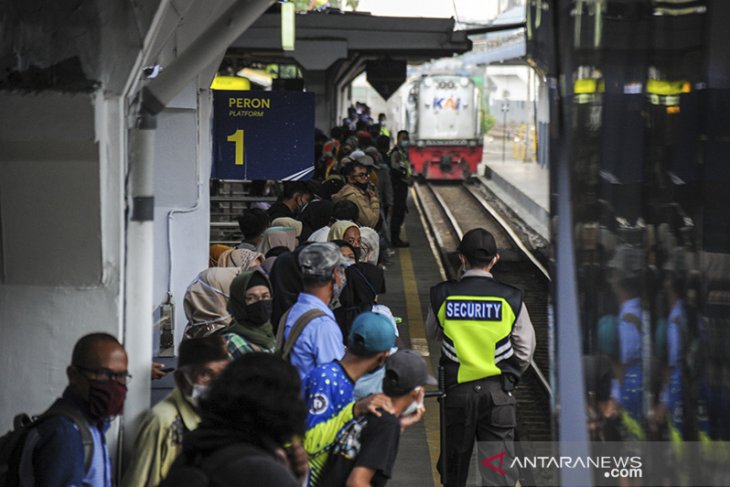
323	277
321	340
54	454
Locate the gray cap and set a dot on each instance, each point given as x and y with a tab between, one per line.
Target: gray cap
373	152
319	259
365	160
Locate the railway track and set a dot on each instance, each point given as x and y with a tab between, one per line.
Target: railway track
452	210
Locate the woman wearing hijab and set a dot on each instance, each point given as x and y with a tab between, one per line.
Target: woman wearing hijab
349	253
250	307
347	231
286	279
277	237
316	215
244	259
205	301
364	283
369	246
215	252
284	221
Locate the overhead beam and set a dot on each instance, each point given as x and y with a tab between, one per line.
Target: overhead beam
363	34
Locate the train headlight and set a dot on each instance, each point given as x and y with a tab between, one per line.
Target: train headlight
427	82
464	82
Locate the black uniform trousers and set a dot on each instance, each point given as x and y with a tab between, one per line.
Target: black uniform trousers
481	411
400	197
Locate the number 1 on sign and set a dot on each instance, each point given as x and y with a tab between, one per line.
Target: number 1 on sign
237	137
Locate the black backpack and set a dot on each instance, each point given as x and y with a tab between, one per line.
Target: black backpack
11	444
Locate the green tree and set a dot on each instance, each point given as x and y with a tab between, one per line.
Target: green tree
488	122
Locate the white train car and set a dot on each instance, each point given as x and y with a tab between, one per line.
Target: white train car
441	113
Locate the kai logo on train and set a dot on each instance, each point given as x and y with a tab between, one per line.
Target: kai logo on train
450	103
474	310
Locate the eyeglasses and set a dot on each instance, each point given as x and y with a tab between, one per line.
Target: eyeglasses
106	375
360	175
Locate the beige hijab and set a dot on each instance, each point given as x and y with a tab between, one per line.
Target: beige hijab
243	258
338	229
284	221
277	237
205	301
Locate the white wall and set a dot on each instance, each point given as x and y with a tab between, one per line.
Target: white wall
60	190
184	151
514	79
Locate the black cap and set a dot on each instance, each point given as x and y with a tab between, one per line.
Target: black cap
404	371
478	245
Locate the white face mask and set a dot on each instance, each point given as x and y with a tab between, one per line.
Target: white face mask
198	391
412	407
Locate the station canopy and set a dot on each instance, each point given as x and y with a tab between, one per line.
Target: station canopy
342	43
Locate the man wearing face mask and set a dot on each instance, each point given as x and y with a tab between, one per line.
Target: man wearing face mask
364	452
329	388
69	448
361	191
250	307
160	436
291	202
308	334
400	175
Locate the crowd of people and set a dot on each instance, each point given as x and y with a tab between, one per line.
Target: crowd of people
290	371
320	394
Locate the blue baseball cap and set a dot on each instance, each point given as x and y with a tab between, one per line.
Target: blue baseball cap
371	333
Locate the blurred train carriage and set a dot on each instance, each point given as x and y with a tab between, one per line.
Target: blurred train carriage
441	113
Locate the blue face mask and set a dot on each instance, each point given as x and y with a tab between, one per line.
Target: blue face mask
405	144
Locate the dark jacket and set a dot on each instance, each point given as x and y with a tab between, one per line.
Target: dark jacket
278	210
246	461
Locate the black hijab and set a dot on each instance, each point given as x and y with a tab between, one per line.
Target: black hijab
364	282
286	283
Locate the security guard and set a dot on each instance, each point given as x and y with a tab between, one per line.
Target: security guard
487	342
400	176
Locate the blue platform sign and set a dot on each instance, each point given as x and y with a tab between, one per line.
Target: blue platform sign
263	135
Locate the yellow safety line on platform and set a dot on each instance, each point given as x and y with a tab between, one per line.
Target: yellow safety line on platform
417	332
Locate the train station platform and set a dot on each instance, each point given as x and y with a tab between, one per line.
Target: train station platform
410	274
524	187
